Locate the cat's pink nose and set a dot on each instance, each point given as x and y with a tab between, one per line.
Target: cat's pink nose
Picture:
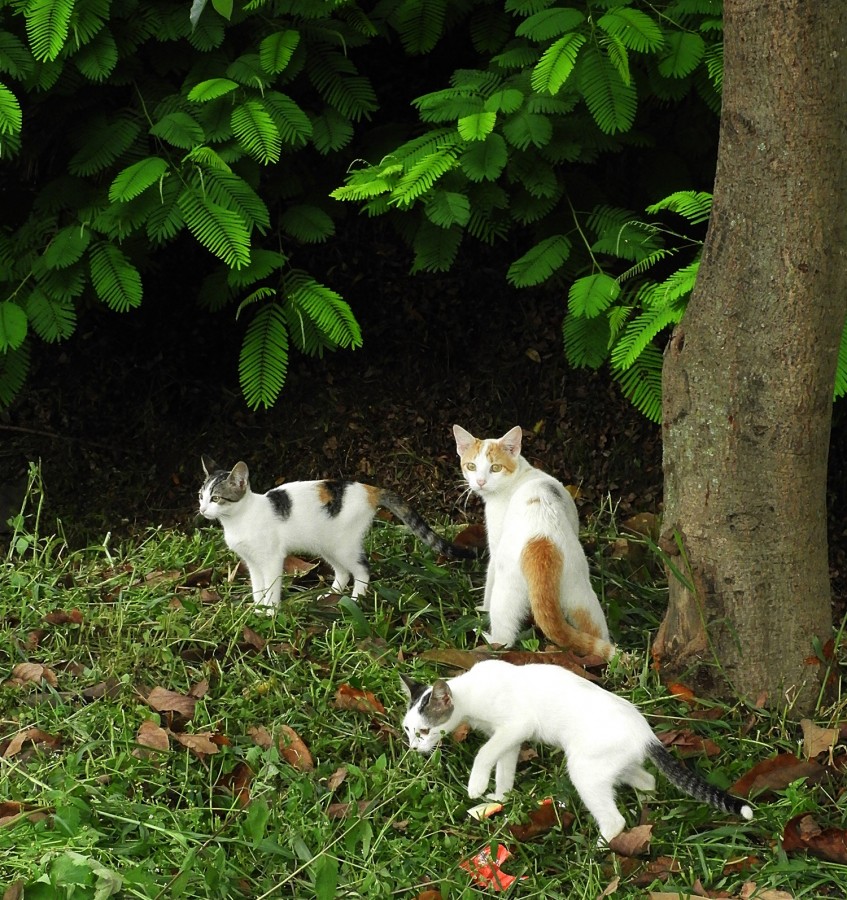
480	482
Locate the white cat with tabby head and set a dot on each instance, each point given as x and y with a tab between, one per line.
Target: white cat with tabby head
605	738
537	564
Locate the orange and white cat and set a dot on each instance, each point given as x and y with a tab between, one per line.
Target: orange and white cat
537	565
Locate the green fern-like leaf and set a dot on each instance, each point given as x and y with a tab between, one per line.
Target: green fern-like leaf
339	83
13	326
15	59
420	24
841	368
307	222
331	315
640	332
539	263
611	102
677	286
219	229
52	319
14	368
696	206
592	294
98	58
256	131
447	208
507	100
276	50
263	363
135	179
641	384
526	129
331	131
713	57
586	340
64	284
211	89
165	220
550	23
435	247
232	192
634	28
11	117
104	140
478	126
422	175
262	264
682	54
67	247
556	64
485	160
115	279
294	125
47	26
179	129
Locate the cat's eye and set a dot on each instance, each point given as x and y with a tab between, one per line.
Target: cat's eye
423	732
496	467
216	498
471	467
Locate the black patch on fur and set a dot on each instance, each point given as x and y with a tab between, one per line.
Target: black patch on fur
555	491
336	490
280	501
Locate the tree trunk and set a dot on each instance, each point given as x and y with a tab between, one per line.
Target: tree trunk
749	373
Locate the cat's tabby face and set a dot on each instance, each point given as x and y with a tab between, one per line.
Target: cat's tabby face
488	464
221	489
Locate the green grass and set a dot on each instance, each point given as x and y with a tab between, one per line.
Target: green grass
105	817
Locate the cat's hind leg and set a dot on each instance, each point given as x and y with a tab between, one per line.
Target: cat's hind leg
509	607
638	777
597	791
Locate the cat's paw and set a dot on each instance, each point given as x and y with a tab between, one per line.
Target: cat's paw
476	787
495	797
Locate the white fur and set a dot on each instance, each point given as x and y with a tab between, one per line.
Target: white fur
254	530
519	506
604	737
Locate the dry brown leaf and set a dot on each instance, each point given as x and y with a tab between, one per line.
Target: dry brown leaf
153	736
640	875
261	736
62	617
15	891
634	842
540	821
30	736
158	576
237	783
209	596
681	692
804	833
342	810
293	565
202	743
32	673
473	537
293	750
817	740
611	887
33	638
429	895
199	690
646	524
337	778
200	578
733	866
163	700
253	639
349	697
110	688
674	895
775	774
750	891
687	743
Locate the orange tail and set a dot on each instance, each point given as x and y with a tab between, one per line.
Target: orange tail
542	562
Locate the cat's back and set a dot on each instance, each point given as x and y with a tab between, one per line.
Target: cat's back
322	501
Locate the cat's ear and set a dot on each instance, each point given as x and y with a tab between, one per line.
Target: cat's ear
240	476
511	441
440	705
464	439
209	465
411	688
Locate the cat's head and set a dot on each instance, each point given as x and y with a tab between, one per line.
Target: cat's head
222	489
488	464
430	709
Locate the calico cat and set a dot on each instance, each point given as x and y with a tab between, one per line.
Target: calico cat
327	518
605	738
537	564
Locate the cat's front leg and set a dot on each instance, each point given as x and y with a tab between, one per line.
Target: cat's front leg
489	588
504	773
266	583
487	757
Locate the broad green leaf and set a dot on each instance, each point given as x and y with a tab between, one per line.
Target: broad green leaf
682	54
478	126
135	179
13	326
52	319
307	222
610	100
179	129
590	295
550	23
586	340
447	208
506	101
326	877
527	129
635	28
223	8
256	131
540	261
211	89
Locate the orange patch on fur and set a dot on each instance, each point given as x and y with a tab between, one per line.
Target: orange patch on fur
324	494
496	453
373	494
583	622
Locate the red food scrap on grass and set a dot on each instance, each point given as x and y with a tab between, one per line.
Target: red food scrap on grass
485	869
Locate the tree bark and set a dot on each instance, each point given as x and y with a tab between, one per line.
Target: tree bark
749	372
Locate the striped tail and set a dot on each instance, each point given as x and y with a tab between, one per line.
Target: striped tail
418	526
693	785
541	562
